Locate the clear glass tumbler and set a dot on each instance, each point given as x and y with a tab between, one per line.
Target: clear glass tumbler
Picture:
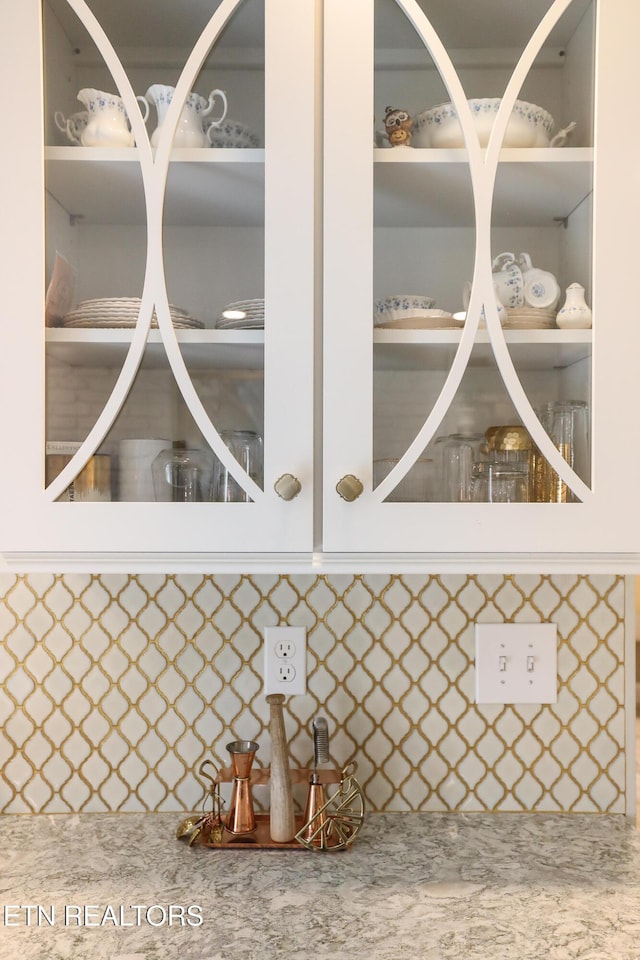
495	481
246	446
459	454
567	423
181	475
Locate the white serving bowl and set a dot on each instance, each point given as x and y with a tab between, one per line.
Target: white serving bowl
528	126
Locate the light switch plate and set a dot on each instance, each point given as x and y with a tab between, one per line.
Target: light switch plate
516	663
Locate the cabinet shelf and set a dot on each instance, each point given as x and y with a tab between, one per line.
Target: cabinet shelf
201	349
435	349
230	349
432	188
414	188
205	187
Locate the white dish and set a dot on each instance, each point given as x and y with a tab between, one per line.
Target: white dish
528	313
121	312
531	324
528	125
98	323
398	316
242	315
445	322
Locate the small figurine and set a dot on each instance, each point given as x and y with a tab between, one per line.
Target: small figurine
397	124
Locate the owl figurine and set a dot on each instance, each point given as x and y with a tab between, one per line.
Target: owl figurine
398	124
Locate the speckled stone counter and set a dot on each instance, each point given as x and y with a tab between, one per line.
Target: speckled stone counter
433	887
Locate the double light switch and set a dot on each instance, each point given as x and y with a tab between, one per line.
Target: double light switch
516	663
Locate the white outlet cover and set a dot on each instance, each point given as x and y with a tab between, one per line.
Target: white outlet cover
516	663
285	672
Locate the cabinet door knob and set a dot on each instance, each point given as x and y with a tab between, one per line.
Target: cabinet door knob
287	486
349	488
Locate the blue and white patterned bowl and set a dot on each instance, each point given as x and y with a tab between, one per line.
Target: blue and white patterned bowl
528	126
399	306
231	133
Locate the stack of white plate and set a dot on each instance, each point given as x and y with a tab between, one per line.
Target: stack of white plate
530	318
242	315
121	312
230	133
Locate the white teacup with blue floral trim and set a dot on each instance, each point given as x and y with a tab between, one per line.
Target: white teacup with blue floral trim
508	282
541	289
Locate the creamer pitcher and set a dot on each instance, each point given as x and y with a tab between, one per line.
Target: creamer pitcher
108	124
190	131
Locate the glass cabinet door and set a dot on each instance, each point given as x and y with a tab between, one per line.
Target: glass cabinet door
173	314
472	211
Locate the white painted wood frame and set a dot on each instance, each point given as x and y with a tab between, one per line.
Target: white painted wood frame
603	523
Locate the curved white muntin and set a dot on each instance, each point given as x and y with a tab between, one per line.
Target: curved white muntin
496	334
154	176
135	352
458	96
183	88
483	171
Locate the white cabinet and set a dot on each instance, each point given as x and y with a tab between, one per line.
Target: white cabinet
319	223
198	227
421	219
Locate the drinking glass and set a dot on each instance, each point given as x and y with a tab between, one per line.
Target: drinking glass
246	446
181	475
566	422
495	481
459	453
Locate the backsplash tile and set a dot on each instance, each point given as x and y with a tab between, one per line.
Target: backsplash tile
114	688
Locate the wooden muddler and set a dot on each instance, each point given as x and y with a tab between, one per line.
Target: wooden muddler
281	819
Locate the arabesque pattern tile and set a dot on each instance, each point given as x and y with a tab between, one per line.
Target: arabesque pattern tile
114	689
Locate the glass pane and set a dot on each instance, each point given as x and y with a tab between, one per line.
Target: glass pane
424	251
211	272
541	241
528	254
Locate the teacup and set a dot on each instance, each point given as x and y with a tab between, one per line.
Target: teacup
73	126
541	289
508	282
466	299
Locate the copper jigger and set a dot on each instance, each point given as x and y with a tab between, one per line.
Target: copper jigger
316	799
241	818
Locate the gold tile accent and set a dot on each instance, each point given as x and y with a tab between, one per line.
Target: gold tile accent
114	688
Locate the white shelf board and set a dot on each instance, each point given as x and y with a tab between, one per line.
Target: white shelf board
435	349
201	349
205	187
244	349
432	188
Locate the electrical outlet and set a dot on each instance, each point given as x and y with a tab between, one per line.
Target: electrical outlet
285	660
516	663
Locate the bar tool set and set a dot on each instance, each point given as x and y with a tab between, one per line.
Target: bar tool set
331	820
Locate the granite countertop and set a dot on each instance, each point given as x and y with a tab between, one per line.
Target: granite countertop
427	886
